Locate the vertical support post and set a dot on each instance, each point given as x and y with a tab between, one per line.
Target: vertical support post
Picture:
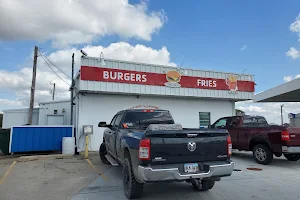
72	89
33	85
53	93
86	153
281	114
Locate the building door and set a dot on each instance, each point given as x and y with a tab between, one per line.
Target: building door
204	119
55	120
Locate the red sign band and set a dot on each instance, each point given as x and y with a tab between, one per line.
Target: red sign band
170	79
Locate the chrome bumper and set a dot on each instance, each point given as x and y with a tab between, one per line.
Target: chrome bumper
286	149
167	173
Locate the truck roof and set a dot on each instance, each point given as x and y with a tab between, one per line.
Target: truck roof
141	110
257	116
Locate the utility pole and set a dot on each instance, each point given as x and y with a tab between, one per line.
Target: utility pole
72	89
281	114
33	85
53	92
72	100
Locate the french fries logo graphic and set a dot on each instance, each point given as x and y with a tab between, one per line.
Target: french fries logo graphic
231	81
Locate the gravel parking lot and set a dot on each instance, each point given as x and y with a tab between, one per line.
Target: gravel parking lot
77	179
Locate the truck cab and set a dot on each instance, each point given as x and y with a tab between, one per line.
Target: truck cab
253	133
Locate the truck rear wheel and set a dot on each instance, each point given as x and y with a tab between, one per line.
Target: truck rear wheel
102	153
292	157
204	186
262	154
132	188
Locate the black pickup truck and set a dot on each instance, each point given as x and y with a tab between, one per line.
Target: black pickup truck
152	148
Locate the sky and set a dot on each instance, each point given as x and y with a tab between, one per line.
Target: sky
256	37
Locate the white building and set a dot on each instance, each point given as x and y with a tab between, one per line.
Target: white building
195	98
55	113
19	117
48	113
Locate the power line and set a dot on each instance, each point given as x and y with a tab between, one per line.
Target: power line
53	70
55	65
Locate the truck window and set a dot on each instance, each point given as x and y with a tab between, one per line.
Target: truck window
144	119
262	121
118	120
113	120
222	122
249	122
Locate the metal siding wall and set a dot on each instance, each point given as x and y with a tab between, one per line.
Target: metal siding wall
25	139
160	90
48	109
19	118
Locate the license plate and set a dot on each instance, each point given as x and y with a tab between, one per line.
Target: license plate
191	168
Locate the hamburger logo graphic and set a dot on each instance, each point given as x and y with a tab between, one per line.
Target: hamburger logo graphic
173	77
231	81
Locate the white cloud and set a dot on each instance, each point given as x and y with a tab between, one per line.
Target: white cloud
244	47
293	53
77	22
295	26
287	78
10	102
271	111
19	82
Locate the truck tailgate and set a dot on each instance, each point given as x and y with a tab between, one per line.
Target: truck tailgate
188	146
294	136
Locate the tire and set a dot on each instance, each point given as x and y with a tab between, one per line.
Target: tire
205	185
132	188
292	157
262	154
102	153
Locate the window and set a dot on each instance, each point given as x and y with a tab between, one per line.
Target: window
113	120
249	121
204	119
144	119
262	121
222	122
118	119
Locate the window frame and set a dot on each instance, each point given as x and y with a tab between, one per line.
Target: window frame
209	121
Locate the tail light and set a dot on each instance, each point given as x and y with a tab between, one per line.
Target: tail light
144	149
285	135
229	146
148	110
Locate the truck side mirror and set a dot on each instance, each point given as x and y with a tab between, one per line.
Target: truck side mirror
102	124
